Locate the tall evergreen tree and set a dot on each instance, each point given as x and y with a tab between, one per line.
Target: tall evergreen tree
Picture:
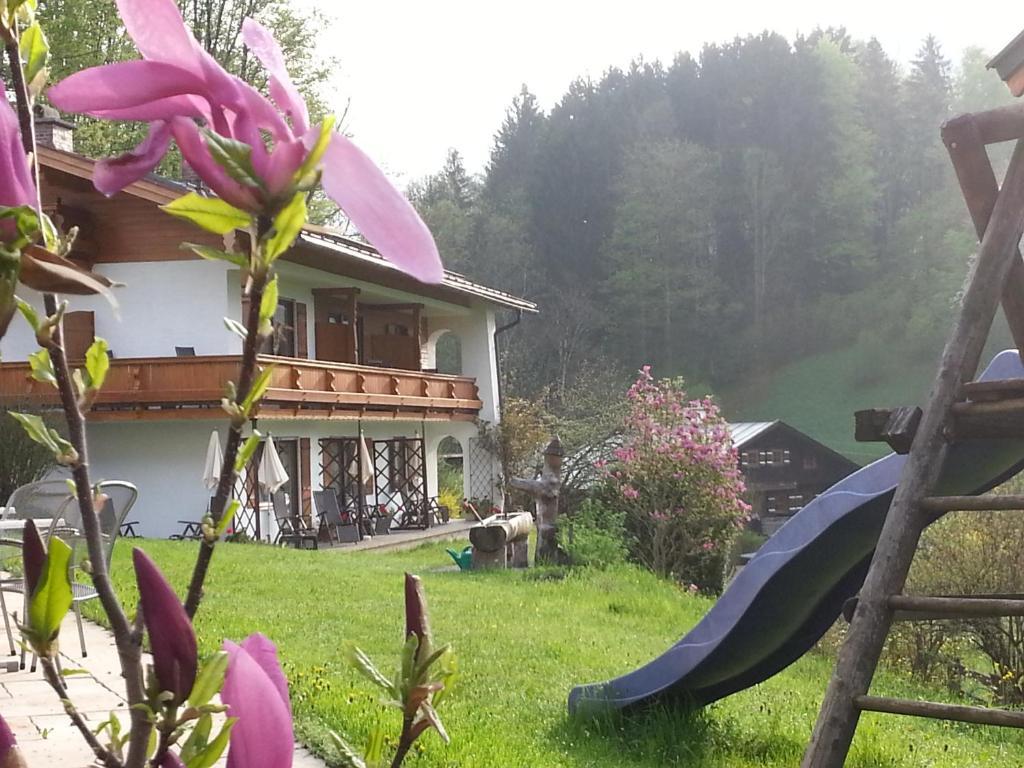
927	101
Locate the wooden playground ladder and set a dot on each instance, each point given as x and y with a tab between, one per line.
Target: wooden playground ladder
957	408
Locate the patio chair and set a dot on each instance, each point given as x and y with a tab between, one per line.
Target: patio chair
340	528
381	518
44	501
121	497
291	530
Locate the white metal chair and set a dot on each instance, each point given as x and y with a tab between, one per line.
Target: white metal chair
121	497
53	500
44	500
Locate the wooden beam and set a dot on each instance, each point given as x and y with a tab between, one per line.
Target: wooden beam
963	139
1000	124
895	426
925	608
406	306
984	503
976	715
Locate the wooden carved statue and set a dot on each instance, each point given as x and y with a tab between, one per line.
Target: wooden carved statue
544	491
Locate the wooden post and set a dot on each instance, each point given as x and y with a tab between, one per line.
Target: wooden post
980	188
898	541
545	492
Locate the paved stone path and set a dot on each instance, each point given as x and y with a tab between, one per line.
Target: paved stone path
46	736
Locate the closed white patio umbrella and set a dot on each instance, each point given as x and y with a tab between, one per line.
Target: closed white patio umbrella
272	472
366	472
214	461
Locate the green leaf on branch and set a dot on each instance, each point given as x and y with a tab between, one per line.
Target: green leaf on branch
25	222
236	328
348	757
197	739
37	430
257	390
287	225
235	157
209	680
208	754
210	213
268	306
35	52
227	517
214	254
97	363
358	659
29	313
51	600
42	367
245	453
306	176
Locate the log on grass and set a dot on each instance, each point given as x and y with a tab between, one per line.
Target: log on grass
497	531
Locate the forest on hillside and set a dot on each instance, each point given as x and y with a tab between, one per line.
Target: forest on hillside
719	217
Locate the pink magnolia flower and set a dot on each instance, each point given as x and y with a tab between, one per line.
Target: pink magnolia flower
177	85
171	636
16	185
10	757
256	692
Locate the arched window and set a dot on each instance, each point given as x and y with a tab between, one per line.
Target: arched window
442	352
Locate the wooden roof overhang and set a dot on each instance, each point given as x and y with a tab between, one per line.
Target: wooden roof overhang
317	247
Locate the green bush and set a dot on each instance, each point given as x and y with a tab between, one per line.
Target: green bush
595	535
22	461
969	554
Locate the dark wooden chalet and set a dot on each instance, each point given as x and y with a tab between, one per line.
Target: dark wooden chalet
783	469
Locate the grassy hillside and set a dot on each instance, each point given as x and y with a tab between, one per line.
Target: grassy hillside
523	640
819	394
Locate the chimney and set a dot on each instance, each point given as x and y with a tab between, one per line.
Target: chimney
53	131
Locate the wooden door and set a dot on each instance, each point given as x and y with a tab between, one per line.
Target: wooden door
334	317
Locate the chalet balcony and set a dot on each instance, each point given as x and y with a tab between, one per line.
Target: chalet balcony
171	388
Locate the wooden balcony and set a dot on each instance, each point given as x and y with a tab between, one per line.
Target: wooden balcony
170	388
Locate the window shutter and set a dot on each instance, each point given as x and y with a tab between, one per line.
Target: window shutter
301	337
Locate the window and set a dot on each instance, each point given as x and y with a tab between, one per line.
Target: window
750	459
282	340
810	462
796	502
770	505
775	457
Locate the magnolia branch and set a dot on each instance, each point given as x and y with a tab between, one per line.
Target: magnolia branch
226	484
129	645
53	677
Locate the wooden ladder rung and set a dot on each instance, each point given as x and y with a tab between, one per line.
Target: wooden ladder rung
985	503
992	390
923	608
994	419
978	715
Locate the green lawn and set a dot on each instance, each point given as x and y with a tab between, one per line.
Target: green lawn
523	639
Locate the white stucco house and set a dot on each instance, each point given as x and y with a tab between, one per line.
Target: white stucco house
354	350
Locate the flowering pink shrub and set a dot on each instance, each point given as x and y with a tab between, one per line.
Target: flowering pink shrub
677	477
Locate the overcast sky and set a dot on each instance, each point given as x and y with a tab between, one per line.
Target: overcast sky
425	76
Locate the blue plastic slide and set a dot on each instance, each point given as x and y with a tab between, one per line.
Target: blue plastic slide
793	589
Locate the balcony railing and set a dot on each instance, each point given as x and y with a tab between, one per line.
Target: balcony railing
192	387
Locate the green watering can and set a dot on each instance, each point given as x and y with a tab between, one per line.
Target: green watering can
463	559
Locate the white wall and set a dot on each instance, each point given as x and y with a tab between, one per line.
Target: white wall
163	304
164	460
476	339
